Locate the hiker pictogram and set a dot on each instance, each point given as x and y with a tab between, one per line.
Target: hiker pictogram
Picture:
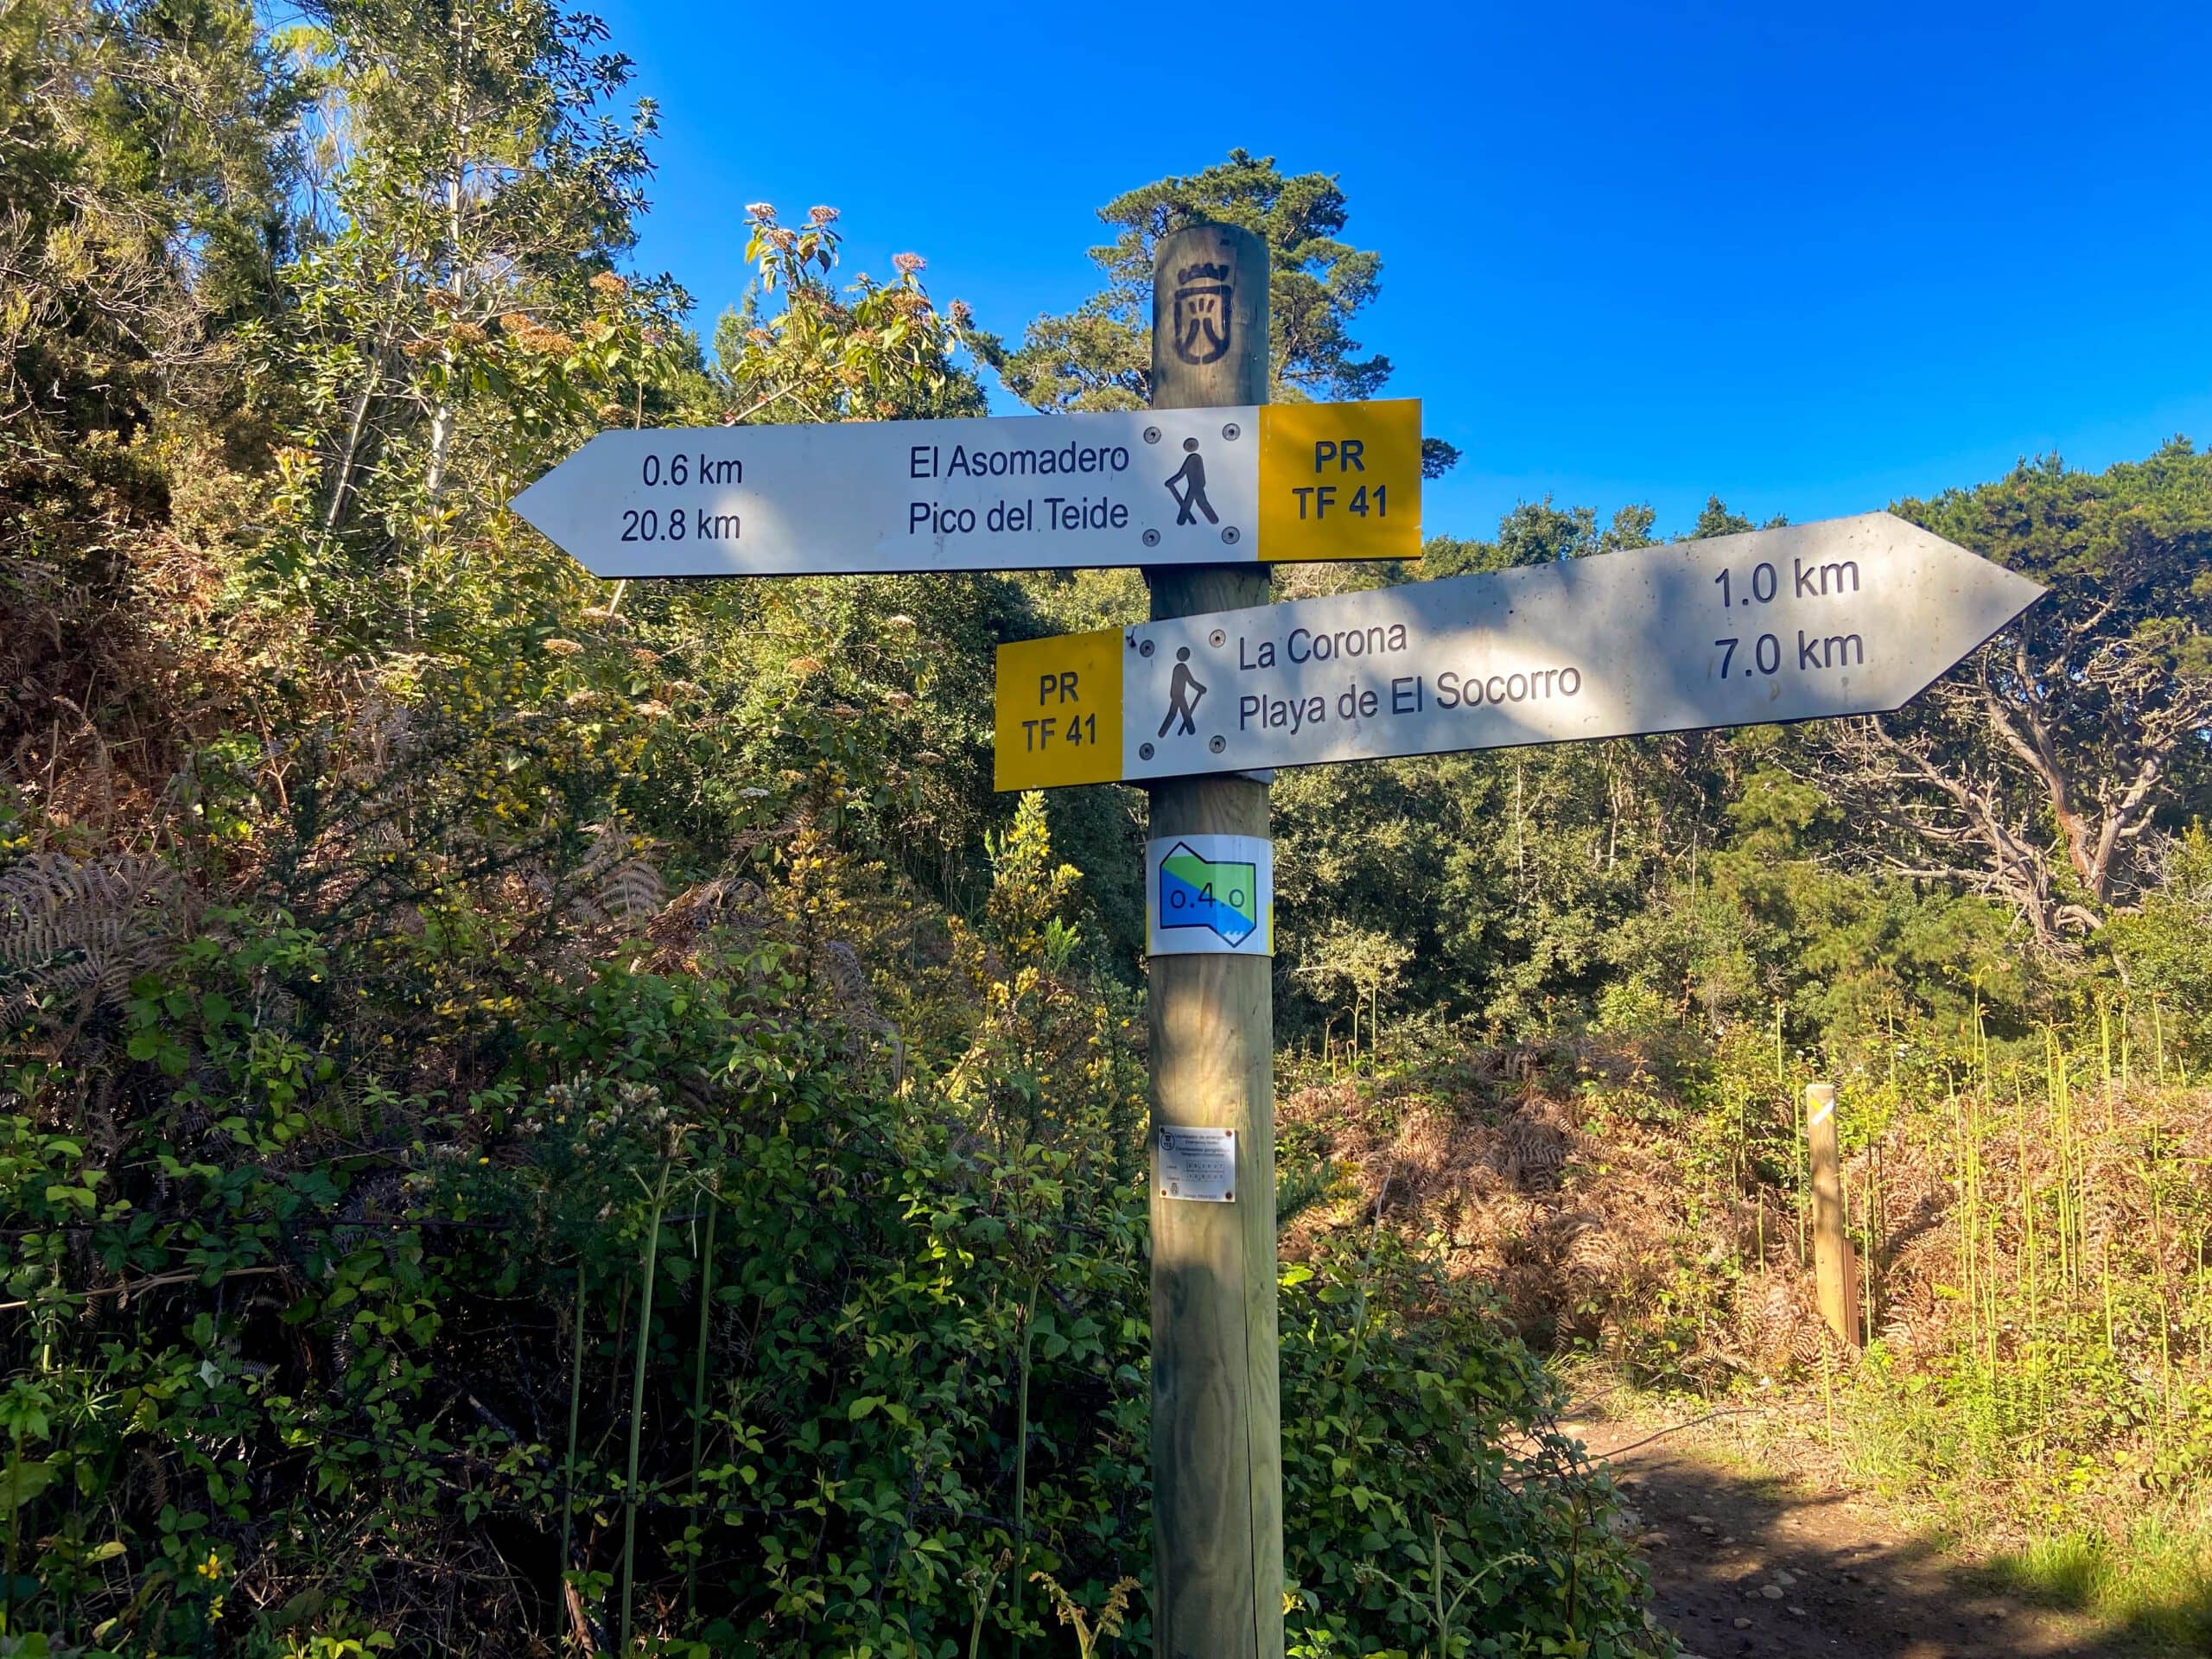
1183	690
1192	475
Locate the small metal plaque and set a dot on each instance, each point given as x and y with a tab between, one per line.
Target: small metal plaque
1199	1165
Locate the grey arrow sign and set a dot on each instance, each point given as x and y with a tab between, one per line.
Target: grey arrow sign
1849	616
1014	492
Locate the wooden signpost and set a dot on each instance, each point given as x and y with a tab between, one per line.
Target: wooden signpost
1217	1433
1206	490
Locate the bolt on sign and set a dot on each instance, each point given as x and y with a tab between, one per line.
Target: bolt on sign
1850	616
1290	481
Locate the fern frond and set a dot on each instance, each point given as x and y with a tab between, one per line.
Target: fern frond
89	927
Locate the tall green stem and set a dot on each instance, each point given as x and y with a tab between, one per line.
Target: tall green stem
637	1408
575	1401
699	1397
15	1529
1021	1463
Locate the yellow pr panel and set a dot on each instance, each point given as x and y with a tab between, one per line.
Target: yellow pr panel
1340	480
1059	711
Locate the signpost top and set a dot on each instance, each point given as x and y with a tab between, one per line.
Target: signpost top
1190	486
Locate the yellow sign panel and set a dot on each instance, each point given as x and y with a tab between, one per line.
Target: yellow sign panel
1340	480
1059	711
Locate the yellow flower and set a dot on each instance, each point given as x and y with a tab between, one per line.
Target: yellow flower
211	1567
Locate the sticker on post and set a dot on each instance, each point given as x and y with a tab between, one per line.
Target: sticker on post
1197	1165
1210	895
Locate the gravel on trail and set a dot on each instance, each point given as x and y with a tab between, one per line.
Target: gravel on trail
1742	1563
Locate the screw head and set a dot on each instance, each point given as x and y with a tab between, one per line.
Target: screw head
1216	638
1145	650
1217	744
1144	751
1152	434
1232	431
1232	535
1151	538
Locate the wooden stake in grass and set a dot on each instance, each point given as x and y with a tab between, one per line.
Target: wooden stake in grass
1831	1247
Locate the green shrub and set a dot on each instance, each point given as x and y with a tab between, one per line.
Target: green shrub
306	1321
1431	1503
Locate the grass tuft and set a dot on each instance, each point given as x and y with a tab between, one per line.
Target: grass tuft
2153	1587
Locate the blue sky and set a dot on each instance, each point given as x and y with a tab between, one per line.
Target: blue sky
1813	258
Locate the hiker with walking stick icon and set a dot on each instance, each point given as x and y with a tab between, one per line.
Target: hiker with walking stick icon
1184	689
1193	496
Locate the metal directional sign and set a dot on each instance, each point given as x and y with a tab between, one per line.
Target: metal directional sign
1280	482
1849	616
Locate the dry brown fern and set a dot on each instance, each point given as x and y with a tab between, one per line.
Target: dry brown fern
686	922
849	983
89	927
1530	1153
1782	1329
620	882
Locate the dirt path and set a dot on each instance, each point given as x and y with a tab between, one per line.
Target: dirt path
1742	1563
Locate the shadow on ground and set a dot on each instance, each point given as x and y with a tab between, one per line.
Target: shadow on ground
1741	1564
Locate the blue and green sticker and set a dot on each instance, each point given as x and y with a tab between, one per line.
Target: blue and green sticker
1212	894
